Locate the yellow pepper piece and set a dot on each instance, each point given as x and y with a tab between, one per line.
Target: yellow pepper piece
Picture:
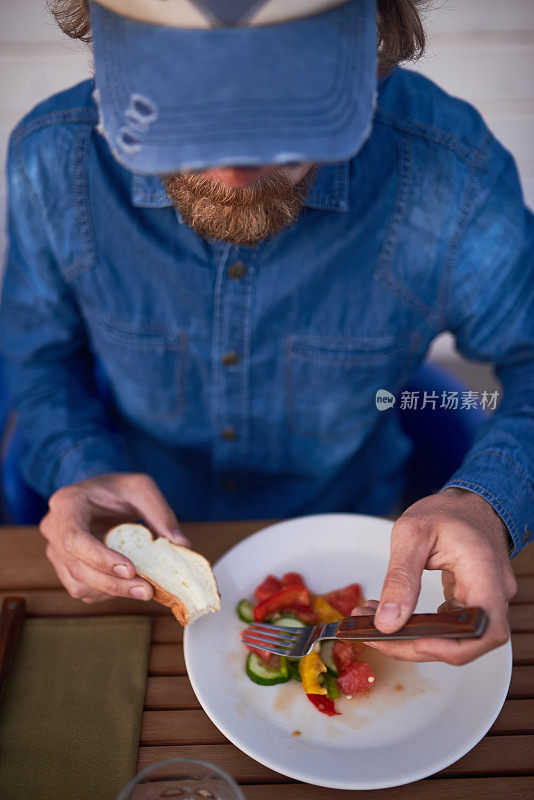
310	668
324	611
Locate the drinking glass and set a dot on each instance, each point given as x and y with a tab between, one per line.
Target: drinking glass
182	779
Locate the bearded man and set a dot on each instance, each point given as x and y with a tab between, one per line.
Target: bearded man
252	219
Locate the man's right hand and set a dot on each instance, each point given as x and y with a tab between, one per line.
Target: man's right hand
78	517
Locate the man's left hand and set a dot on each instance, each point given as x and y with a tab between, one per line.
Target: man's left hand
458	532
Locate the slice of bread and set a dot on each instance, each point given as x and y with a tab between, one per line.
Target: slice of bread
182	579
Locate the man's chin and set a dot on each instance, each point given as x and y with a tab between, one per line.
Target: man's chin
241	229
238	216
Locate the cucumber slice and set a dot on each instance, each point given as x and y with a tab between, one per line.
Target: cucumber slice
263	674
332	687
289	621
327	657
245	611
294	671
284	667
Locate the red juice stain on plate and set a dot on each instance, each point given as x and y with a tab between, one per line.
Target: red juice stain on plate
286	696
396	683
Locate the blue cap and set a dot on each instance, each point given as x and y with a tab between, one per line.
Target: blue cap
189	84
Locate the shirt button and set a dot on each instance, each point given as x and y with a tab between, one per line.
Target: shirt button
230	359
229	434
230	486
237	270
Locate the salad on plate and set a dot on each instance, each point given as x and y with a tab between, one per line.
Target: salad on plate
332	668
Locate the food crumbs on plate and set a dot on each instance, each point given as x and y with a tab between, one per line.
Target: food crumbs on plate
399	687
295	733
348	696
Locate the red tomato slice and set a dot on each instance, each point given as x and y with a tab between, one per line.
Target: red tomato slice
267	588
288	596
324	704
344	600
293	579
356	677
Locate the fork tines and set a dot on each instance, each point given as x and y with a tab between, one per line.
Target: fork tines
272	638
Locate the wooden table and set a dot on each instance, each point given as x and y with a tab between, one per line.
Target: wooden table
500	767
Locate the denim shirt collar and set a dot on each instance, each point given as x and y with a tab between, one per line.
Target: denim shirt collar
329	192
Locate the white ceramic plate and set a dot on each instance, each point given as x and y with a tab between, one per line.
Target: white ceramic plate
418	719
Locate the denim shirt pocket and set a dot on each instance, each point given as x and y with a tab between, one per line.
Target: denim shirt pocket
331	381
146	369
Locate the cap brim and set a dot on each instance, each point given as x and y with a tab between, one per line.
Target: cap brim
172	99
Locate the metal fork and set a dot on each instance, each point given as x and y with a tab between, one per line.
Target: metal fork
462	623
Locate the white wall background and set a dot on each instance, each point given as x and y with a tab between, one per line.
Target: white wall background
479	50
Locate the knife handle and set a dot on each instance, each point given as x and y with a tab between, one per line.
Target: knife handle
462	623
11	619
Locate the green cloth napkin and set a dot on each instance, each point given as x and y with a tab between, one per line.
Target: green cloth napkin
71	712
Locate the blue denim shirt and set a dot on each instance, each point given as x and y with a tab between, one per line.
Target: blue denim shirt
425	230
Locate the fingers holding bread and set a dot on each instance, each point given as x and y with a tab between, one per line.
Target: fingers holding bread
145	497
78	516
181	579
89	570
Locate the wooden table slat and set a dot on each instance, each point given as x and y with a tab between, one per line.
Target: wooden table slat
522	683
170	692
167	630
179	727
523	564
166	659
58	603
523	648
468	788
516	716
525	589
520	617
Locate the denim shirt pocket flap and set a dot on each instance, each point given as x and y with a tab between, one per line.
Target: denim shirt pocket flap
145	368
331	382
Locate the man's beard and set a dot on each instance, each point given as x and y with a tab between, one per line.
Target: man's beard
239	216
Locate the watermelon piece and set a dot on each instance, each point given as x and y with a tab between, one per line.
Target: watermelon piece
263	654
356	677
345	653
342	653
344	600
